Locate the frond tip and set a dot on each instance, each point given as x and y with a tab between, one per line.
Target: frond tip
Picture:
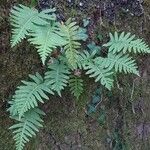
126	43
27	127
23	19
57	76
72	33
28	95
119	62
46	39
76	86
103	75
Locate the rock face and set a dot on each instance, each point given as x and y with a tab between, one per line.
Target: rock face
67	127
108	7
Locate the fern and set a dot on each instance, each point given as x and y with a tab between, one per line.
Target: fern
28	95
23	19
126	43
26	127
76	86
57	76
46	39
96	68
120	62
72	33
47	34
101	74
85	58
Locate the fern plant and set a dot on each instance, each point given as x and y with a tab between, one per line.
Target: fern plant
73	34
57	76
126	43
48	36
28	95
23	19
27	126
76	85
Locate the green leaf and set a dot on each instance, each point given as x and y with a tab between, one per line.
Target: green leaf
76	86
28	95
86	21
23	19
46	39
85	58
27	127
126	43
100	74
102	117
72	34
120	62
93	47
91	109
57	76
96	99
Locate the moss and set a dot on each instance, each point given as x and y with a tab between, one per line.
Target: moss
6	139
147	2
63	119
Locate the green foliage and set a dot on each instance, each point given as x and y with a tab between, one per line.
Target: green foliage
93	47
96	99
46	39
49	36
57	76
126	43
85	58
120	62
86	22
102	117
28	95
100	74
27	127
76	85
119	144
72	33
23	19
33	3
95	69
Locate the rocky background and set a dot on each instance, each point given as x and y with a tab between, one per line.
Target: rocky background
120	120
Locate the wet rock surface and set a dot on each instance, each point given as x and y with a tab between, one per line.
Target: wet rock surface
108	8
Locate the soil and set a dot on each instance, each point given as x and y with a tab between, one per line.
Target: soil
67	125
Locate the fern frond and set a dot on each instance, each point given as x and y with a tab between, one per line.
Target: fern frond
46	39
85	58
101	74
95	68
76	86
57	76
120	62
27	127
73	34
23	19
126	43
28	95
